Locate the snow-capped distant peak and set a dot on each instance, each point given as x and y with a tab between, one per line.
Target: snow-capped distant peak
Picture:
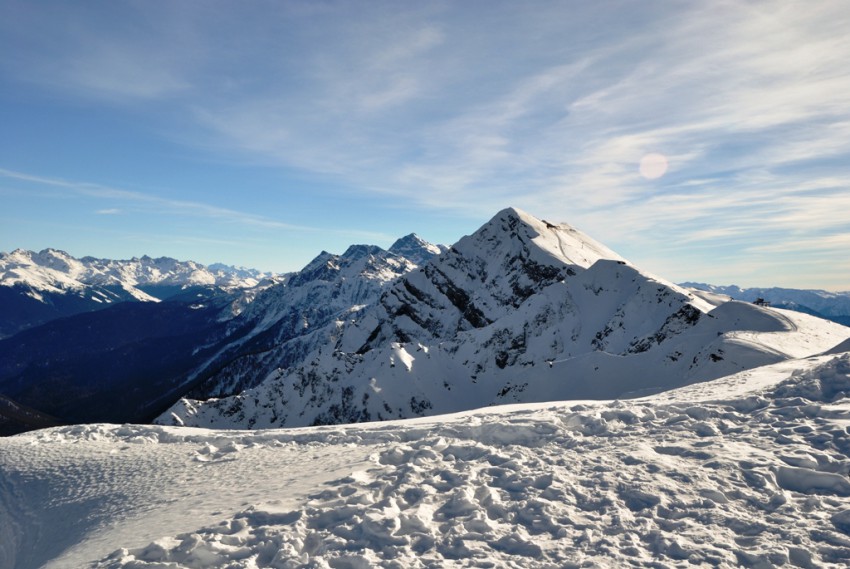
239	272
55	271
355	252
49	270
416	249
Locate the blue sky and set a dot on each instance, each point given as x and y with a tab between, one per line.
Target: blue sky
259	133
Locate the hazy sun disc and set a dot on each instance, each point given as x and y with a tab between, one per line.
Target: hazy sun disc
653	166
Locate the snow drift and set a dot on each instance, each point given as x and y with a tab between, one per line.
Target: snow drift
749	470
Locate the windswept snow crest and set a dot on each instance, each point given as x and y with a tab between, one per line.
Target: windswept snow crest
523	310
749	470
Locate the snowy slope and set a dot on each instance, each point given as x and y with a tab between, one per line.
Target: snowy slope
750	470
287	321
523	310
834	306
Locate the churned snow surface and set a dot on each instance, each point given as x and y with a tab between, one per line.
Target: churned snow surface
749	470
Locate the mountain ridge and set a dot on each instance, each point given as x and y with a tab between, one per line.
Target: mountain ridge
291	318
131	360
521	310
46	268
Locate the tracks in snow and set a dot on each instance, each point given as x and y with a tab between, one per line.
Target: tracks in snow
759	481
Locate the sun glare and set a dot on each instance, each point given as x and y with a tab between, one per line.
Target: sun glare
653	166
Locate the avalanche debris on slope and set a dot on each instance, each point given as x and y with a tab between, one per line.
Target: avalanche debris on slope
747	471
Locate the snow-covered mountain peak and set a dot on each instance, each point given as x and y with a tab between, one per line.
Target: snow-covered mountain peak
48	270
513	230
521	310
57	260
367	261
355	252
287	320
416	249
239	272
506	261
541	246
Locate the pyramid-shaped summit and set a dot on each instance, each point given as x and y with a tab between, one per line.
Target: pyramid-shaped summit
522	310
416	249
538	240
489	274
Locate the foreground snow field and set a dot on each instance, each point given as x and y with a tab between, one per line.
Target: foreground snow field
748	470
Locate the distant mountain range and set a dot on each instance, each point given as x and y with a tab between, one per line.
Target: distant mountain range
38	287
120	341
522	310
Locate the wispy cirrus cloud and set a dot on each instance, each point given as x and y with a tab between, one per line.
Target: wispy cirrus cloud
720	89
457	108
158	205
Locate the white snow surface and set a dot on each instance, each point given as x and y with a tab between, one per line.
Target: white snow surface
749	470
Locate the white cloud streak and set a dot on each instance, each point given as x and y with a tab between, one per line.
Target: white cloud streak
164	206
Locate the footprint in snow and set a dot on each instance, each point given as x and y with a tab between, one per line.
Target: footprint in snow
211	453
